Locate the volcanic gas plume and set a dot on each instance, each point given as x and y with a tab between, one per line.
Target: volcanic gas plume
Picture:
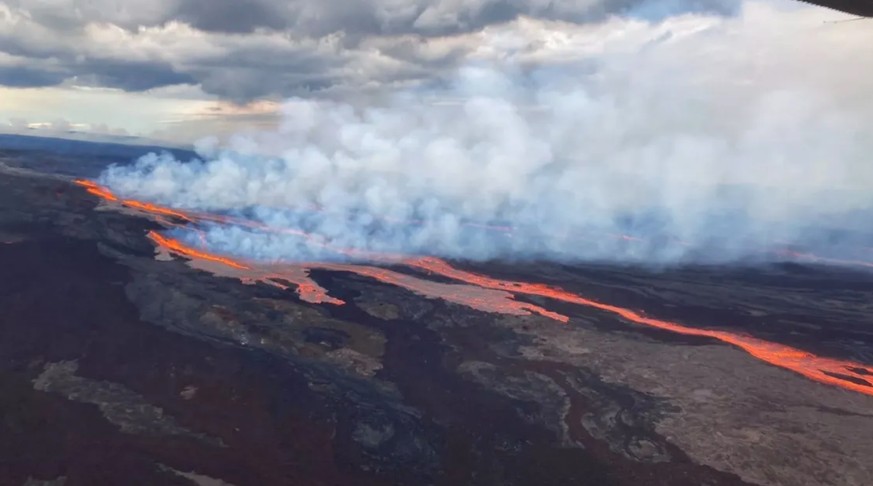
472	290
698	138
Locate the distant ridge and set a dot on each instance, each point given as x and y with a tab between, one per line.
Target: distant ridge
65	146
78	158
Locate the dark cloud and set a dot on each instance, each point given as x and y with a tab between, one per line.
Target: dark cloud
24	77
134	76
231	16
71	15
322	17
40	65
246	49
420	17
244	84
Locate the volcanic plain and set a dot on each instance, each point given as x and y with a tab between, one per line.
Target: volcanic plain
127	361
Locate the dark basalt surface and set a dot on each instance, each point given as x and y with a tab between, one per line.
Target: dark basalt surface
116	368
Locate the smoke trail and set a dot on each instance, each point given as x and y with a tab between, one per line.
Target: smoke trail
697	138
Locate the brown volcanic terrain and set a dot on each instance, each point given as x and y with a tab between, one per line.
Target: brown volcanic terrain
117	367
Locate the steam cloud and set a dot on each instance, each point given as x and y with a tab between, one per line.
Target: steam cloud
708	138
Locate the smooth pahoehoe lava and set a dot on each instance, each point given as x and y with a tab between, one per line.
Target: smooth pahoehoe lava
474	290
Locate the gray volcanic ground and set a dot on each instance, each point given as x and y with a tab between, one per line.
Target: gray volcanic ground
117	367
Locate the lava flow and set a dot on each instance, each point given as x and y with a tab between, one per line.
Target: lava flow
145	207
480	298
177	247
479	292
96	190
825	370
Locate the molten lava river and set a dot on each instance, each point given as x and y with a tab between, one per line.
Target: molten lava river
470	289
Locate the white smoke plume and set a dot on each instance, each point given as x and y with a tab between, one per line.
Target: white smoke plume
698	138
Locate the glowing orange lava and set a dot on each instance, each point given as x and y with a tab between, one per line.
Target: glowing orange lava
250	272
178	247
145	207
479	298
807	364
96	190
151	208
476	297
483	293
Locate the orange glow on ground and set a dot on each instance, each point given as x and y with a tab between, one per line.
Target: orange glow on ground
483	293
807	364
476	297
151	208
250	272
106	194
96	190
484	299
177	247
